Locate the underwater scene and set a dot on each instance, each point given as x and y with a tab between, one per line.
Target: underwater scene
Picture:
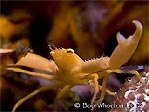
70	56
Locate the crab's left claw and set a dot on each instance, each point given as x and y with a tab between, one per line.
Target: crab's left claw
125	47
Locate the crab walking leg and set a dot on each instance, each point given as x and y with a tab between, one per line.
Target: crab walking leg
104	89
131	72
42	75
104	83
107	91
60	95
136	73
126	47
96	87
94	82
44	88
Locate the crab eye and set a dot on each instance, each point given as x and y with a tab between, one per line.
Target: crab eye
70	50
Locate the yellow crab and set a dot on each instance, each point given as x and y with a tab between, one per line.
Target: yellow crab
70	70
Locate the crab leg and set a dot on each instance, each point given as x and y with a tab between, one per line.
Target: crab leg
104	90
42	75
96	87
44	88
60	95
104	83
131	72
126	47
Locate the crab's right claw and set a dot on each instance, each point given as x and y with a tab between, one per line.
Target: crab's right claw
125	47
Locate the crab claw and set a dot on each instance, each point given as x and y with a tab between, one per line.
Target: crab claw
125	47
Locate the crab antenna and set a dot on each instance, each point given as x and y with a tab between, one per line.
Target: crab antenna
51	46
